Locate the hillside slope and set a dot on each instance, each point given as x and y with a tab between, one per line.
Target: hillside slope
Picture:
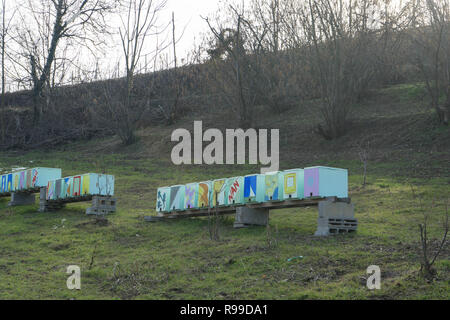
128	258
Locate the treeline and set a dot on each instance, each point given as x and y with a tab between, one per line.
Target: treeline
281	54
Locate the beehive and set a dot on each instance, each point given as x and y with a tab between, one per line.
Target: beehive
325	182
163	199
234	191
204	194
177	197
88	184
218	191
28	179
293	184
191	196
273	186
254	188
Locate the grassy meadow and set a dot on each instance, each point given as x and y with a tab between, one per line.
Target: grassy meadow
128	258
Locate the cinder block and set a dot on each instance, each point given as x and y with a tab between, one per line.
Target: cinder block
249	216
339	210
335	217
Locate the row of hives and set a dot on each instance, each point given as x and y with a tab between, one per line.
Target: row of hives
255	188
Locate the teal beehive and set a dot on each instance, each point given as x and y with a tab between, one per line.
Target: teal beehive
33	178
325	182
88	184
177	198
293	180
234	191
163	199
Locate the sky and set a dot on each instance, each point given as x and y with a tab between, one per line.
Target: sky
189	29
187	15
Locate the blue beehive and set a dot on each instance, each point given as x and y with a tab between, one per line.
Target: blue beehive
293	184
254	188
163	199
325	182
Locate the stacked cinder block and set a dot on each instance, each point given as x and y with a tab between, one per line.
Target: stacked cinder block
102	205
335	217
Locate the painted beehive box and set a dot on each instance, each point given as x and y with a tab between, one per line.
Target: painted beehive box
177	197
293	184
31	178
80	185
273	186
254	188
218	193
6	183
163	199
325	182
191	196
234	191
204	194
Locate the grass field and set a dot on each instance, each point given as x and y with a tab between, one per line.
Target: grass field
132	259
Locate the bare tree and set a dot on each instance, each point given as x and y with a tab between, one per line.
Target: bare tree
229	57
5	26
74	21
341	37
431	41
428	258
138	23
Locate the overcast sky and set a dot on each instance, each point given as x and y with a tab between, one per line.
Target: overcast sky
187	14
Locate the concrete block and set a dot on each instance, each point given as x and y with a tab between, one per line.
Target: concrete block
335	217
102	205
21	199
340	210
250	216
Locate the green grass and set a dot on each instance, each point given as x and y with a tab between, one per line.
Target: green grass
133	259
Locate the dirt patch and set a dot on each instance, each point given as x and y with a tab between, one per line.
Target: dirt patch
101	222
